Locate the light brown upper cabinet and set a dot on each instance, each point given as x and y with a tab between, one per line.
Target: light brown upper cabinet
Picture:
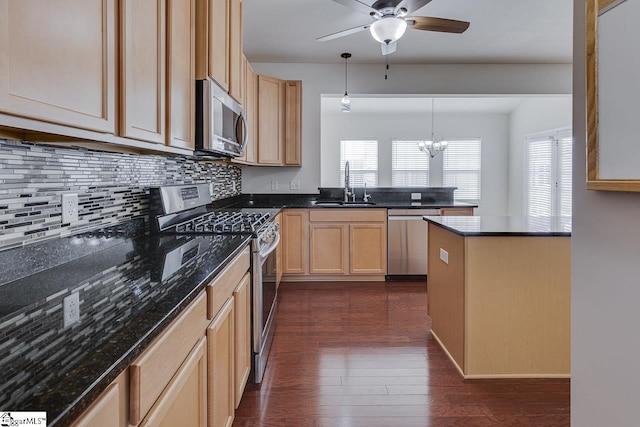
279	121
293	123
250	107
219	44
143	70
181	73
235	50
270	120
57	62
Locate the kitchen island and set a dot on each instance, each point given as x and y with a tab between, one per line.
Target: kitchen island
499	294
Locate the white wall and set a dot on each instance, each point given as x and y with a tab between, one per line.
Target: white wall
605	288
533	115
318	79
491	128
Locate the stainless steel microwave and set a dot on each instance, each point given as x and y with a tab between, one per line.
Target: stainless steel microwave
221	128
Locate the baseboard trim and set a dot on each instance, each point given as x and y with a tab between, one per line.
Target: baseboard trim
448	354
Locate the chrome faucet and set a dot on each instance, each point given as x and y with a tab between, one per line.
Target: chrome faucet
365	196
347	192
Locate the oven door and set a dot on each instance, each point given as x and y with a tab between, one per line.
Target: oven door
265	299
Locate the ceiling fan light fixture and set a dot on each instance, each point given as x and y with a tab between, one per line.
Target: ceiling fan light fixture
388	30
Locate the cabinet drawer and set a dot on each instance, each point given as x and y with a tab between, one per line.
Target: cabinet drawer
152	371
219	291
456	211
348	215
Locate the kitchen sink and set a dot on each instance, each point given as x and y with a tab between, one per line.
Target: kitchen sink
337	203
358	203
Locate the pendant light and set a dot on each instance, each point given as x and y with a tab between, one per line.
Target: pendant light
432	147
346	102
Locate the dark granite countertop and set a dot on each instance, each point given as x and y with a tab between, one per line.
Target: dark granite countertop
504	225
308	201
128	295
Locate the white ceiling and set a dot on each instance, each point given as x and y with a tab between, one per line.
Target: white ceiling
412	105
501	31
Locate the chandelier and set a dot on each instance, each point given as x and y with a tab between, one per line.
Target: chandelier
432	146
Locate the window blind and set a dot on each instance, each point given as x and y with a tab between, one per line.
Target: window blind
461	168
363	162
548	180
409	166
540	179
565	152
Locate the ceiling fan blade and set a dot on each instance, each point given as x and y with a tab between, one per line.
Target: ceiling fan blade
412	5
357	5
441	25
343	33
388	49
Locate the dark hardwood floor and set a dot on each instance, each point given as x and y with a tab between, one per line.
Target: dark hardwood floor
360	355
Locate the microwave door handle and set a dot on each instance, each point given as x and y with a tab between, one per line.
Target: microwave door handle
245	135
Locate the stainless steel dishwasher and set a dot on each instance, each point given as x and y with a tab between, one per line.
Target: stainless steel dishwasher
407	241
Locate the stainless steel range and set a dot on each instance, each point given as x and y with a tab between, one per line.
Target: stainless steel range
182	209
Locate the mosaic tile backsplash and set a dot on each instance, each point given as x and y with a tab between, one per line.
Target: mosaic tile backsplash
111	187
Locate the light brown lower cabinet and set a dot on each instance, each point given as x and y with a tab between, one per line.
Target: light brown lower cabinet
242	313
456	211
295	241
368	248
184	401
347	242
105	411
195	372
328	248
220	337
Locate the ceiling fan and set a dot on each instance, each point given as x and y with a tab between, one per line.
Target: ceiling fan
390	21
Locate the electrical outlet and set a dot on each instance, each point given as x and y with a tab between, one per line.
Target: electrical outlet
444	256
69	208
416	196
71	309
274	185
294	184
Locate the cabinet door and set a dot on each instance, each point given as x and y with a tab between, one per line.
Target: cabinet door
221	349
367	248
251	113
218	42
57	61
184	402
242	315
328	248
270	119
293	123
181	73
295	242
143	64
235	49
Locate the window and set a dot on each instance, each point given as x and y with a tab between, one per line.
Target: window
548	173
461	168
363	162
410	166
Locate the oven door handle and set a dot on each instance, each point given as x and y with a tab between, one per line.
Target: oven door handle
265	254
